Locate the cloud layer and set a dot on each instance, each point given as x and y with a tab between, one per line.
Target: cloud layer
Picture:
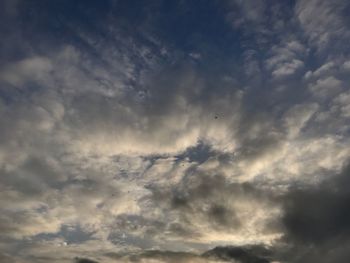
174	132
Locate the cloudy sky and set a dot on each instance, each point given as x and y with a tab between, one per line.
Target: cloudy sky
174	131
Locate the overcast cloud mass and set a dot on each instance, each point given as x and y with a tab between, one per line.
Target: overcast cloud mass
174	131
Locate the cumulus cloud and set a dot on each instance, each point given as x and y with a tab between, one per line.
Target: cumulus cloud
286	59
288	68
326	87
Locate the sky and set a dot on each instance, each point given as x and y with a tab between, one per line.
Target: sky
174	131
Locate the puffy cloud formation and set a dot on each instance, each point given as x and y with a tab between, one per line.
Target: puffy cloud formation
174	131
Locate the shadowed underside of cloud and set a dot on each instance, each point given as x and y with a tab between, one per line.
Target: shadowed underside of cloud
243	255
223	209
84	260
317	221
254	254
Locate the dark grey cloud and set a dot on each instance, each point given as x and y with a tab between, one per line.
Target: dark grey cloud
316	220
162	256
253	254
240	254
320	213
84	260
215	204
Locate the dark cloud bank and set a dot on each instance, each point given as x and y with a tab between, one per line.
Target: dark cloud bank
317	221
227	254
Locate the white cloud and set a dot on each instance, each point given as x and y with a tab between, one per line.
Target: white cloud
34	69
343	101
325	88
346	65
285	59
288	68
322	20
297	117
